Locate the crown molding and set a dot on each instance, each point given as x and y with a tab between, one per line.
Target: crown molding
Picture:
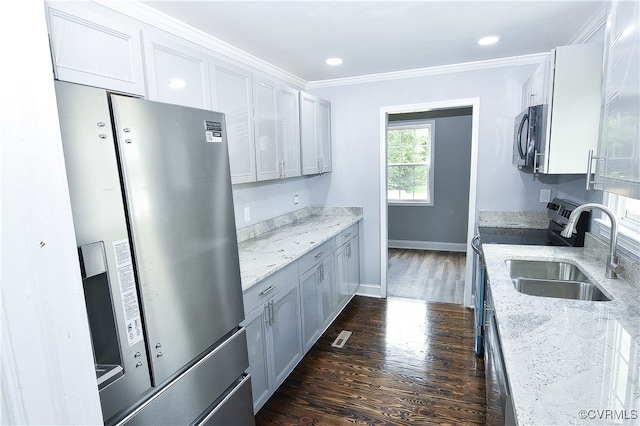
150	16
591	27
533	59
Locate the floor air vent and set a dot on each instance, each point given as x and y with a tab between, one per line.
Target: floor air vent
341	339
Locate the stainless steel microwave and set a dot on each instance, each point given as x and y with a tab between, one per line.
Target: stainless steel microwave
529	137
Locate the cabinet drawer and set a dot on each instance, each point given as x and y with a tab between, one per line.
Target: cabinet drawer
262	291
310	259
347	234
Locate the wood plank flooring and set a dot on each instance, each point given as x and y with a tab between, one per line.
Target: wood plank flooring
407	362
432	276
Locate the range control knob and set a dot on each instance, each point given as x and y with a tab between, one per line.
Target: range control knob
552	206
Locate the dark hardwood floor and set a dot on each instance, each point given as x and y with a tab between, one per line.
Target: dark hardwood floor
407	362
432	276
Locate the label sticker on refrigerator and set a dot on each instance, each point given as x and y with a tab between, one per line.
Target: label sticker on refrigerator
128	294
213	136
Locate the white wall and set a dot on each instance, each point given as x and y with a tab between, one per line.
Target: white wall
47	371
356	157
267	200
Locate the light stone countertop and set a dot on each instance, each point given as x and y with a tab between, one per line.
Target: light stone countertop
568	361
270	251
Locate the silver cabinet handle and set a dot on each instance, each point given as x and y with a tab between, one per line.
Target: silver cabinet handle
536	154
266	290
318	255
267	317
271	314
589	172
346	235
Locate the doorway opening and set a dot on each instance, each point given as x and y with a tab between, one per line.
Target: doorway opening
427	190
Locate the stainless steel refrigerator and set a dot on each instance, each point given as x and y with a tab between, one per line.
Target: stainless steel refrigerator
150	192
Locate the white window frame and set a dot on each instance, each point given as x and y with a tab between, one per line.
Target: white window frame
414	124
628	231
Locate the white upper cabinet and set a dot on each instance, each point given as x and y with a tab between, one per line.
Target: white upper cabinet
618	167
535	91
91	49
268	163
231	94
176	74
277	132
315	134
569	83
288	130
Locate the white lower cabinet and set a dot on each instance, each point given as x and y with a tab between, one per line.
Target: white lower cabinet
273	342
288	311
317	298
347	272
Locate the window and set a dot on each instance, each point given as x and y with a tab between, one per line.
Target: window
627	210
410	162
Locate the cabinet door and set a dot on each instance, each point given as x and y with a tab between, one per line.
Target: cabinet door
288	130
353	266
574	111
618	167
310	304
315	134
327	290
310	164
268	162
90	49
231	94
176	74
341	278
256	328
286	332
323	129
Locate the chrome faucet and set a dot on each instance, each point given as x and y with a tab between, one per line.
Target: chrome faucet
613	267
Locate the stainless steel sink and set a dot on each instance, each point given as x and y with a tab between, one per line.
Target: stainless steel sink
545	270
553	279
560	289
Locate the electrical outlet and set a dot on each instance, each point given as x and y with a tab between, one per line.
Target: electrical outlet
545	195
247	214
295	199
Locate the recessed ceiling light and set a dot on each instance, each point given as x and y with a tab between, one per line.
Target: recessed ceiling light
334	61
485	41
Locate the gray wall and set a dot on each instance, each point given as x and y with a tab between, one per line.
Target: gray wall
446	220
357	163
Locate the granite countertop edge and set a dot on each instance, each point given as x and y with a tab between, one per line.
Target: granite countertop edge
271	251
558	352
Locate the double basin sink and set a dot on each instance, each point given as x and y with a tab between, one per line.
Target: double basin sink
553	279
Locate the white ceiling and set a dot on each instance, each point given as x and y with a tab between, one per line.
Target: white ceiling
383	36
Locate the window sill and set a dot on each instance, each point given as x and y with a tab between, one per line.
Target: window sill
627	238
409	203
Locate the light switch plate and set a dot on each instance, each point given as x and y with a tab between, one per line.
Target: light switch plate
247	214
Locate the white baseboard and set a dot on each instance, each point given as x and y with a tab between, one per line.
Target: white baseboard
427	245
369	290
